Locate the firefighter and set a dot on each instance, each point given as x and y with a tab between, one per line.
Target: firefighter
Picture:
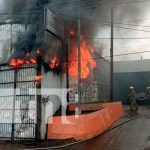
148	92
132	98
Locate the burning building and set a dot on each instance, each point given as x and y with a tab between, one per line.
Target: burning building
35	60
37	66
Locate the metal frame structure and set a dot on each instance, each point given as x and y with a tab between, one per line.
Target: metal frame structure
16	118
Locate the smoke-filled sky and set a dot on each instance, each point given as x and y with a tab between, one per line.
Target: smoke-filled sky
131	22
130	16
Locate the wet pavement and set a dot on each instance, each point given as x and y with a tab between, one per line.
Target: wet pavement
131	132
133	135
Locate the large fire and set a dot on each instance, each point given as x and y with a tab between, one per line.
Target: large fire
87	61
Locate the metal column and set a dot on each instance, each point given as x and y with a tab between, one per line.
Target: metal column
39	109
13	109
111	56
79	64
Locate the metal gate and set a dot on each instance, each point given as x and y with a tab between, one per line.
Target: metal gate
17	102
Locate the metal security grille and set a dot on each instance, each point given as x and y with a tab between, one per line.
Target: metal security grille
17	102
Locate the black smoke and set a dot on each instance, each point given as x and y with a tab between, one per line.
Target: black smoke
29	15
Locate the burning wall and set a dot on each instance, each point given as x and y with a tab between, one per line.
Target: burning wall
97	86
87	62
95	71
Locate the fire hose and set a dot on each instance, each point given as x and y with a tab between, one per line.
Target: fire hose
77	142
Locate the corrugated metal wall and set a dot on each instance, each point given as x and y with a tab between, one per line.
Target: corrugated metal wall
122	82
102	77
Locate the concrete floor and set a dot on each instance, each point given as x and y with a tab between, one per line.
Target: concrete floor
133	135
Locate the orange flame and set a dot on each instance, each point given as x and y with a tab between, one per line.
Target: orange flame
53	63
38	78
20	62
33	60
16	62
13	63
87	61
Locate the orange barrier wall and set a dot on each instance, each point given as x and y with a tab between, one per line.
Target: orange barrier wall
87	125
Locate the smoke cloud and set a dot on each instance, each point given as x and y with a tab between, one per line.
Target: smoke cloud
95	19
